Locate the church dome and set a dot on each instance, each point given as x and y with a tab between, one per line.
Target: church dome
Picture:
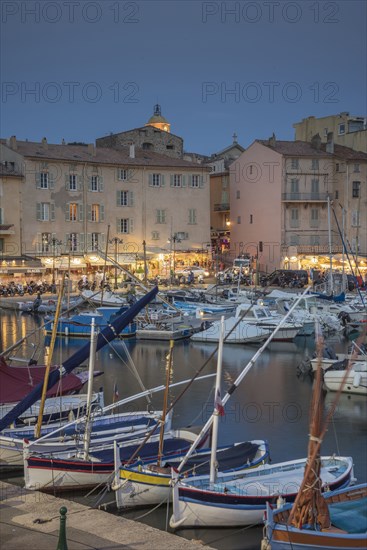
158	121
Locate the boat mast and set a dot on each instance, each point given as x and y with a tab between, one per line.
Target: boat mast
165	401
92	360
330	247
37	429
213	456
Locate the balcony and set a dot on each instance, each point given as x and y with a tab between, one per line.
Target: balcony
318	249
221	207
305	197
7	229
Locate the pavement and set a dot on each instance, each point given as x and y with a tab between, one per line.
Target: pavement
31	519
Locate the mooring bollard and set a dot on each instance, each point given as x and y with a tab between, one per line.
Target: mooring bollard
62	544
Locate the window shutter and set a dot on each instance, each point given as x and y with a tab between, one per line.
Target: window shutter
38	211
131	226
101	210
89	183
130	174
118	198
51	181
89	212
151	180
172	177
39	242
131	198
89	242
183	179
201	182
162	181
52	211
102	241
118	225
80	212
80	182
38	180
81	242
118	170
67	211
67	242
67	182
100	183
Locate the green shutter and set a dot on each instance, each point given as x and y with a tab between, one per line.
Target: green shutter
162	181
101	211
172	178
183	181
52	211
67	182
89	212
201	182
80	212
80	182
131	198
151	180
100	183
89	183
81	242
131	226
38	211
51	181
38	180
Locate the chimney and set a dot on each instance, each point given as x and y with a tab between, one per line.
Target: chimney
13	143
316	142
91	149
330	142
132	151
272	140
63	141
44	143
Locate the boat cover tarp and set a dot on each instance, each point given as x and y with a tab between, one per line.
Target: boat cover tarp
351	515
104	337
17	382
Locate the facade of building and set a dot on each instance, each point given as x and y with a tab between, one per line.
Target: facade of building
76	199
283	196
350	131
155	136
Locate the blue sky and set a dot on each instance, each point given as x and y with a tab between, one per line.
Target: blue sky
78	70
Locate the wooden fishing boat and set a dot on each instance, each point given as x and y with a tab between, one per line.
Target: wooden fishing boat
335	520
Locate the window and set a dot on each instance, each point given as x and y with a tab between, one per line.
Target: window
251	218
45	242
357	168
176	180
74	212
356	189
155	180
341	129
314	188
147	146
294	240
155	235
73	182
336	194
95	213
314	217
45	211
314	240
182	235
192	216
160	216
123	174
294	164
238	194
2	245
124	225
294	221
355	218
294	188
95	184
315	164
195	180
170	147
122	198
72	241
44	180
95	238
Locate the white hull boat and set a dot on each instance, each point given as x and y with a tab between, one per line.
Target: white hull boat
356	381
244	333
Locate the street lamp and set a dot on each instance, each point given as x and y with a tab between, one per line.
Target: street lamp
54	242
116	241
173	240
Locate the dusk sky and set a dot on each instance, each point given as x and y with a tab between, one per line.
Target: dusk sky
78	70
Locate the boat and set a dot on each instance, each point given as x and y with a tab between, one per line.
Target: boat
261	316
163	331
79	324
104	298
318	520
236	332
355	378
239	500
141	485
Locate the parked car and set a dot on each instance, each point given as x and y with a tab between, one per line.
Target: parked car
197	271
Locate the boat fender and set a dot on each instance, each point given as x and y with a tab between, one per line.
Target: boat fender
265	544
357	379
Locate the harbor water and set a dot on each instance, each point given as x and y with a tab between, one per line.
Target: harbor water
272	402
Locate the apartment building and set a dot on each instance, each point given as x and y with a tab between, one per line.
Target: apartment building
348	130
75	199
291	201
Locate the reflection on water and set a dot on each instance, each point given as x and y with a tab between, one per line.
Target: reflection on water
271	403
